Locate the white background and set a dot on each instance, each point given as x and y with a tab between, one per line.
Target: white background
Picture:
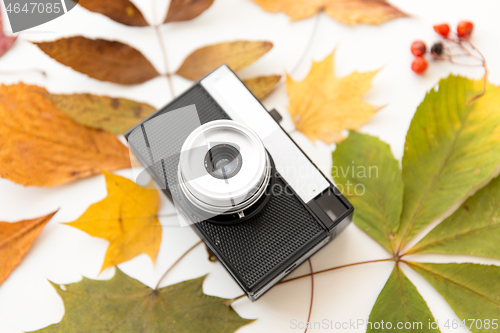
63	254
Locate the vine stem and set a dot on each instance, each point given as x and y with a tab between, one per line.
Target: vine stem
337	267
175	263
163	49
322	271
312	293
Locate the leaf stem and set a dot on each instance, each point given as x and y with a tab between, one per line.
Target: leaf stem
281	84
337	267
175	263
31	70
163	49
167	74
323	271
312	293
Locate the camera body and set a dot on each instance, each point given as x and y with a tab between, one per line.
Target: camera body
237	178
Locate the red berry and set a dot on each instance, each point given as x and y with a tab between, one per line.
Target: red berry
419	65
418	48
442	29
464	29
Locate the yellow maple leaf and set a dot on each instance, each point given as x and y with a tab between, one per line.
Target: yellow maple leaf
321	105
127	218
345	11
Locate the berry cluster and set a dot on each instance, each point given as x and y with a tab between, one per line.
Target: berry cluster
439	50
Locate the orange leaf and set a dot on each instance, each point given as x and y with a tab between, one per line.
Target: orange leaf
127	218
261	86
185	10
345	11
121	11
236	55
40	145
101	59
15	240
321	105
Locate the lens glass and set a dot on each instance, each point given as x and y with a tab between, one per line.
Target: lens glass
223	161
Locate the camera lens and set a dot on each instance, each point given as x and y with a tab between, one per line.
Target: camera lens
212	175
223	161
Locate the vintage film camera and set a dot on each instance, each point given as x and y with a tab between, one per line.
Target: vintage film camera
236	177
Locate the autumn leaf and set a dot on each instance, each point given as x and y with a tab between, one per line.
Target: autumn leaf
236	55
474	229
123	304
261	86
472	290
41	146
121	11
363	169
15	241
127	218
400	302
345	11
451	148
115	115
5	41
101	59
185	10
321	105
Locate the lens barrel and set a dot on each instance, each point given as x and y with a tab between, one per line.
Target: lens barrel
223	168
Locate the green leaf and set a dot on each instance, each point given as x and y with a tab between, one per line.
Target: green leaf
472	290
123	304
115	115
451	148
366	172
474	229
400	302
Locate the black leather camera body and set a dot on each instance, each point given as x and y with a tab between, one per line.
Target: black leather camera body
236	177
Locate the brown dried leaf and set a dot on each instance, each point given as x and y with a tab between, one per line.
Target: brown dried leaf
16	239
115	115
185	10
236	55
41	146
121	11
261	86
345	11
101	59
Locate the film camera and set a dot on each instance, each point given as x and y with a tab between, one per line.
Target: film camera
236	177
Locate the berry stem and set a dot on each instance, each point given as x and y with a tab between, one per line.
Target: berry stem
465	46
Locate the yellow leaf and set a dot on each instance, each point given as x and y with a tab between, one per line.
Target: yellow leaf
261	86
40	145
345	11
236	55
127	218
321	105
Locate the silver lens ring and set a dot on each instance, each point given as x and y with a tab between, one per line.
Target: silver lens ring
223	195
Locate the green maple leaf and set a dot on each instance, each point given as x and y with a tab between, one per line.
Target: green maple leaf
452	149
123	304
